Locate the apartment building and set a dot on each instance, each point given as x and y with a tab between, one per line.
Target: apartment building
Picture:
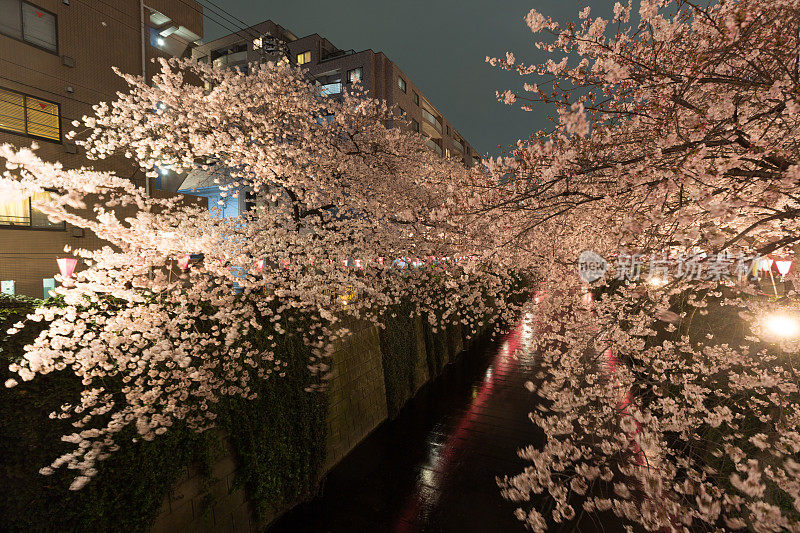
334	69
56	59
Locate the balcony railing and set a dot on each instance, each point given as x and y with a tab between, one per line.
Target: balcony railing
430	143
433	120
230	58
458	146
327	56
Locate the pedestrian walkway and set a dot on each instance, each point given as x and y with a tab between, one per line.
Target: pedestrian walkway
434	467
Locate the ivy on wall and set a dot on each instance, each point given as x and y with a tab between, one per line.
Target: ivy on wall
278	438
280	441
398	341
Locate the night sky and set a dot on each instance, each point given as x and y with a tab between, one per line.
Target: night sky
440	44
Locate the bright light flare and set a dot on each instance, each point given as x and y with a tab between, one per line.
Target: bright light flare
656	281
782	325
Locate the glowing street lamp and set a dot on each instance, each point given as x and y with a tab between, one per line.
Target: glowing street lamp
782	325
656	281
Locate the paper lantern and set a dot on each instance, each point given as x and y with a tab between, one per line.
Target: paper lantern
183	261
783	266
766	264
67	266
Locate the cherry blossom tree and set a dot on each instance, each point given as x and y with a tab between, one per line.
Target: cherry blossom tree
351	215
667	399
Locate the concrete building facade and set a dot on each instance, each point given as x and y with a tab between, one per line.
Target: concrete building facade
334	69
56	59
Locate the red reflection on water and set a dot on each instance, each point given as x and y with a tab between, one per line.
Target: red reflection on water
442	456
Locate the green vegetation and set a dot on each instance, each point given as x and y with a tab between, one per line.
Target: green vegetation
278	438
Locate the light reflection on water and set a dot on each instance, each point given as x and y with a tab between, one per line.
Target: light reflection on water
442	453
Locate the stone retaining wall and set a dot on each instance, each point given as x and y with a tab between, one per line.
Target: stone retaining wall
357	405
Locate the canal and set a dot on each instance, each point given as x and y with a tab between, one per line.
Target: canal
433	468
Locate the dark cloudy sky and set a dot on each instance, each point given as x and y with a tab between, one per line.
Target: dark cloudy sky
440	44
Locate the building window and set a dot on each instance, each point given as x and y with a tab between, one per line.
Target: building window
27	22
416	98
20	213
448	129
401	83
330	89
414	125
304	57
26	115
401	112
355	75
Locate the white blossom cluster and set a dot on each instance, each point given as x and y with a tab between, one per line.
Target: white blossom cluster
674	407
158	338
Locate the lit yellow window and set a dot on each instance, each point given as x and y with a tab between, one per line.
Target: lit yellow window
20	212
25	114
12	112
42	119
15	212
304	57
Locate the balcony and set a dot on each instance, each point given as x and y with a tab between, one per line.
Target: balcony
458	146
432	120
229	59
434	146
335	54
431	125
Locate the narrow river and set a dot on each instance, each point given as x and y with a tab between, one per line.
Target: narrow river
433	468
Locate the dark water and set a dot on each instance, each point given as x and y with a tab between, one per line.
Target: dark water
434	467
